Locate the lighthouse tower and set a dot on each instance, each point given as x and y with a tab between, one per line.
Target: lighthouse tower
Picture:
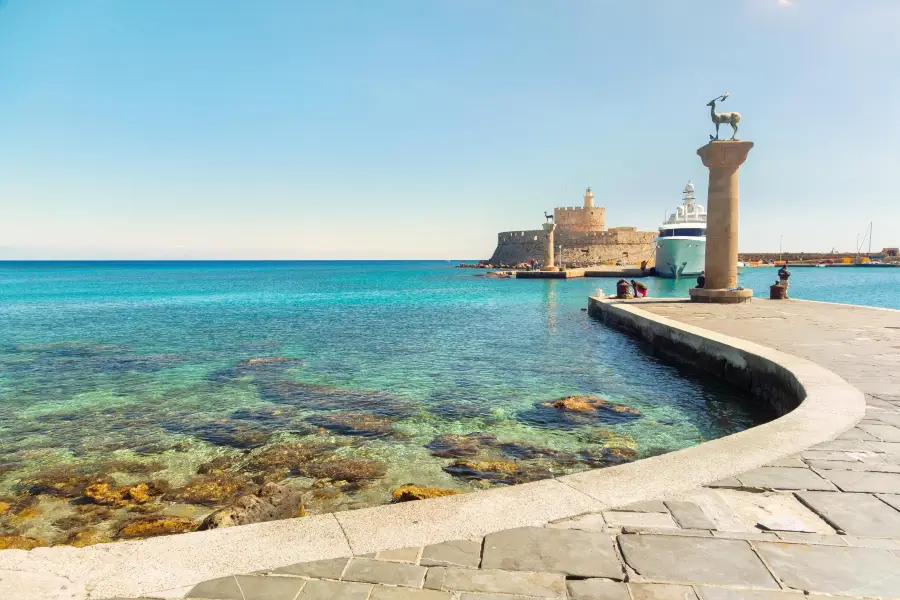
588	199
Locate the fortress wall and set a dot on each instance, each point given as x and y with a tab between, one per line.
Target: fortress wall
579	248
515	247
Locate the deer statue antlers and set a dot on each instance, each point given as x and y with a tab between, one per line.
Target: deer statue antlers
732	118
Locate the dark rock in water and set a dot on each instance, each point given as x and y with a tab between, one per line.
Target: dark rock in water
355	423
271	502
495	471
290	457
153	526
211	490
19	542
261	366
352	470
656	452
606	457
224	433
576	411
320	397
129	466
408	492
220	464
269	361
460	446
87	537
63	482
525	451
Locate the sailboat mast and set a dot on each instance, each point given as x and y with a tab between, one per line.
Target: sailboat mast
870	237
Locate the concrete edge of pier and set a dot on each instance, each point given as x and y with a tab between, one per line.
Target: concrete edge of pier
816	404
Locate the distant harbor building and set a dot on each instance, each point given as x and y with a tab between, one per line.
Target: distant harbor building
581	238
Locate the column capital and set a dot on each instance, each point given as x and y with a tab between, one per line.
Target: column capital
724	154
548	226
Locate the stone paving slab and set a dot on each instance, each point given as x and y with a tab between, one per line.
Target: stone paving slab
334	590
688	560
661	591
568	551
834	569
863	481
368	570
784	478
855	514
493	581
269	588
597	589
688	515
457	553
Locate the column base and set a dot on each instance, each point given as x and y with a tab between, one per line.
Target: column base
722	296
552	269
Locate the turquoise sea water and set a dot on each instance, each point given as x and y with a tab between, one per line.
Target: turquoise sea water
135	373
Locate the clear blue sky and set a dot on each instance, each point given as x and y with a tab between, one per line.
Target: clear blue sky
421	128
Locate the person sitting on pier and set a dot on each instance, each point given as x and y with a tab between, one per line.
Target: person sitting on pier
701	279
623	290
783	275
640	289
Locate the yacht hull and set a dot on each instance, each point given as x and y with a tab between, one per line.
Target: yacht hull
680	256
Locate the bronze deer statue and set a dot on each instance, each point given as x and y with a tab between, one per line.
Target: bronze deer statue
548	217
732	118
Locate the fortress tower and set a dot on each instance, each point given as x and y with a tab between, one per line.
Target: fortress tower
577	218
580	233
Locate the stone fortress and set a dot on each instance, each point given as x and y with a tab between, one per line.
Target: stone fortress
582	240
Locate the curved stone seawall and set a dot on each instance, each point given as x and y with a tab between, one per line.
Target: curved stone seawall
166	567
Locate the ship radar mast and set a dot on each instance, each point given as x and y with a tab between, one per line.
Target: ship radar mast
688	195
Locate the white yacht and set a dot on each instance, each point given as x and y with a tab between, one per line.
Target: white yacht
681	245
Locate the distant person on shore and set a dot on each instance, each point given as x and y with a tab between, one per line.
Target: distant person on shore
640	289
701	279
623	290
783	276
532	264
643	267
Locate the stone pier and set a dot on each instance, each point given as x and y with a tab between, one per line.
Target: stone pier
549	262
723	159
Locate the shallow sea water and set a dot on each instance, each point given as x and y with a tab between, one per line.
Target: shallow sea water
136	373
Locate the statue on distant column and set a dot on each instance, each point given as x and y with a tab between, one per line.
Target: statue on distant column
732	118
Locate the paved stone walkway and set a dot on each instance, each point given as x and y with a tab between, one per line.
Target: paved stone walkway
824	522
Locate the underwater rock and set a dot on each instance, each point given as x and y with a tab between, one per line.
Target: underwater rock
211	490
609	456
271	502
408	492
220	464
350	471
354	423
105	495
290	456
608	437
19	542
320	397
87	537
4	507
526	451
131	467
63	482
152	526
576	411
497	471
233	435
590	404
451	445
265	361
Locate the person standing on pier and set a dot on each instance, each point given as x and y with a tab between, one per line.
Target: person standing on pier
783	275
701	279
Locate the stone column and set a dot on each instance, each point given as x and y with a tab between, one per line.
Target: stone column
548	250
723	159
